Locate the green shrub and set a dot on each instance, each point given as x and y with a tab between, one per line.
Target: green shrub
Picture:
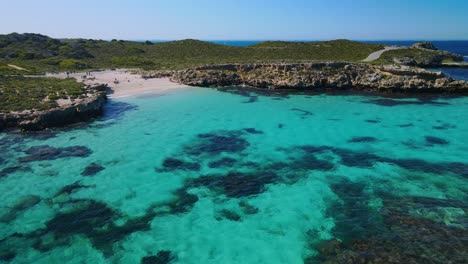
72	64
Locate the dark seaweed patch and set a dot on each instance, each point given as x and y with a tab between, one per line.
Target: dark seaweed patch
372	121
71	188
430	140
4	172
171	164
403	238
39	153
354	218
406	125
183	203
304	113
230	215
163	257
252	99
352	158
222	163
393	102
444	126
362	140
7	256
115	109
237	184
94	220
92	169
21	205
217	143
248	208
252	131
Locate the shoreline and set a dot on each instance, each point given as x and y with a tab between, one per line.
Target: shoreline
122	82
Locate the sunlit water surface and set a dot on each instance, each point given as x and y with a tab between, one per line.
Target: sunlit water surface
204	176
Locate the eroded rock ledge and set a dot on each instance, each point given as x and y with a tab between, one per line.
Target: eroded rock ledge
67	113
322	76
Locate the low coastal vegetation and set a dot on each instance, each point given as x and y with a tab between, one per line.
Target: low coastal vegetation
418	57
38	53
19	93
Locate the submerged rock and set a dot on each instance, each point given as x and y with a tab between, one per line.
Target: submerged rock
362	140
171	164
431	140
92	169
218	142
22	204
163	257
237	184
222	163
45	152
230	215
405	238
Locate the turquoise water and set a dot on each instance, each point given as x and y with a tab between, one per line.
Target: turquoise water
204	176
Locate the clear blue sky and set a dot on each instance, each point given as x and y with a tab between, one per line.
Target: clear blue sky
239	19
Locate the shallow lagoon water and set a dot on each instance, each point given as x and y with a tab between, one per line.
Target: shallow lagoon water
204	176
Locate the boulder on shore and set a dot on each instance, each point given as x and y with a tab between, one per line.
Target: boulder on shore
425	45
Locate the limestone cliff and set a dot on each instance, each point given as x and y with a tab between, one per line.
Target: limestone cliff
322	76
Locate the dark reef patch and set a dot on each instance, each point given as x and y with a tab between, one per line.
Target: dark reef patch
394	102
92	169
218	142
163	257
252	131
372	121
444	126
406	125
353	217
94	220
236	184
304	113
8	170
115	110
404	237
362	140
70	188
248	208
431	140
352	158
171	164
183	203
280	125
230	215
252	99
45	152
21	205
222	163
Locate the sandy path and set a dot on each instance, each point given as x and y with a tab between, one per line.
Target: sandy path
376	55
123	83
16	67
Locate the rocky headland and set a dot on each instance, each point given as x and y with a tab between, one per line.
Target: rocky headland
337	76
68	112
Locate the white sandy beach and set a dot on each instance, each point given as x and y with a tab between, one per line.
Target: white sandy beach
123	83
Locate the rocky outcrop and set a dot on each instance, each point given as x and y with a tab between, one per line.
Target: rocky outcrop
79	110
322	76
424	45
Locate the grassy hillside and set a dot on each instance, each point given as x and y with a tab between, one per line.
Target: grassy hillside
39	53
